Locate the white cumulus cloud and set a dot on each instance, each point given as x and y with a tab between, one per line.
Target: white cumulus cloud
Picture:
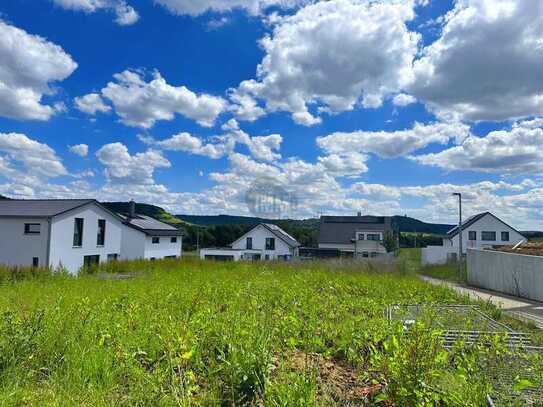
124	13
198	7
262	148
81	150
123	168
333	54
390	144
32	157
516	151
486	65
28	65
403	99
141	104
91	104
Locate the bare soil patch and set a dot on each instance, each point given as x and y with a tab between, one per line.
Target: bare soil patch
336	378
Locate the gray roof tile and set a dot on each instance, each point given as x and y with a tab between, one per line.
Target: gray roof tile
342	229
281	234
151	226
39	208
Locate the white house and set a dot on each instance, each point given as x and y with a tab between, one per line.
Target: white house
480	231
68	233
73	233
263	242
147	238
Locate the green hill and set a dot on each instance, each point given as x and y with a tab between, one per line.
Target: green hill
145	209
412	225
213	220
3	197
404	223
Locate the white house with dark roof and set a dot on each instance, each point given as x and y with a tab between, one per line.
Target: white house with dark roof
147	238
73	233
264	242
480	231
67	233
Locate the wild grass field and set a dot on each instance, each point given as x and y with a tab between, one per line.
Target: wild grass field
193	333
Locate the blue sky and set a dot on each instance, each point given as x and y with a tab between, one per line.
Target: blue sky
383	106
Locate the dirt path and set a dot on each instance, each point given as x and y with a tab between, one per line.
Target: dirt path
526	310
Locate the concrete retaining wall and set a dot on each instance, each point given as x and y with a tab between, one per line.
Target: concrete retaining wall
437	254
514	274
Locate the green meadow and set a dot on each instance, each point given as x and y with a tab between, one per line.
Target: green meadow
193	333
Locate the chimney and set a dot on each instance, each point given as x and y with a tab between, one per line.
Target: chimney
359	214
131	209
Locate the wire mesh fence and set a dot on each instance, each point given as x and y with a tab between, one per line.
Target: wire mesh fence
515	372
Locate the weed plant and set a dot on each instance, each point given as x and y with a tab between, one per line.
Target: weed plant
195	333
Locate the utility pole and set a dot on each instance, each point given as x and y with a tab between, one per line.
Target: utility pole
460	251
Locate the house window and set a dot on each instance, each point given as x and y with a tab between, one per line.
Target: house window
32	228
35	261
156	240
112	257
267	257
173	240
365	254
89	261
78	232
373	236
505	236
488	236
270	243
101	238
472	235
249	244
361	236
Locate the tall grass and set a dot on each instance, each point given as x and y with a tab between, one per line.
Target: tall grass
10	274
204	333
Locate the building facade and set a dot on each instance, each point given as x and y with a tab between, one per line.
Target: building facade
263	242
71	234
147	238
360	236
58	233
480	231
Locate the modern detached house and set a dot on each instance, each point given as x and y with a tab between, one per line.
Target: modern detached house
263	242
76	233
147	238
360	236
66	233
480	231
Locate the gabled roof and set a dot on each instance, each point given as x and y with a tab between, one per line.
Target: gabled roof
342	229
473	219
40	208
281	234
151	226
276	231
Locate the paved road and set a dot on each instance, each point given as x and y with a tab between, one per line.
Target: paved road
517	307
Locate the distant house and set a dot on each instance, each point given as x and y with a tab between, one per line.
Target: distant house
360	236
480	231
263	242
147	238
72	233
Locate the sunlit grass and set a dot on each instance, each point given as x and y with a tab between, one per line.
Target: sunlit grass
203	333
